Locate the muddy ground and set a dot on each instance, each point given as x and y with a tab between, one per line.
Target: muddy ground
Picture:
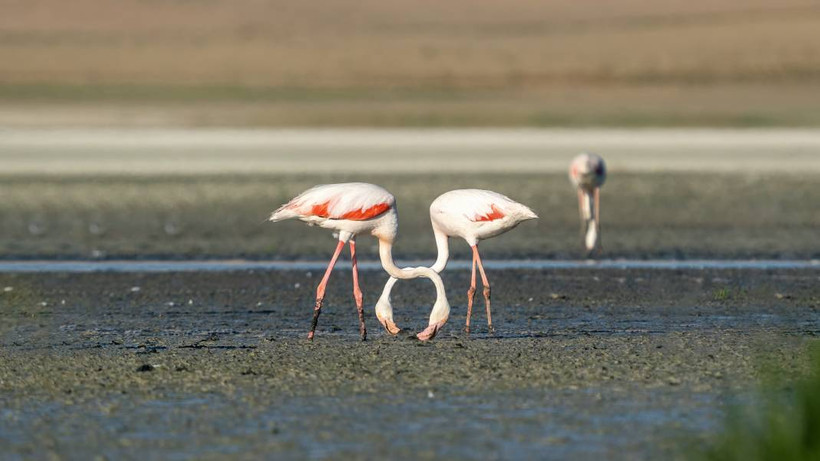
585	363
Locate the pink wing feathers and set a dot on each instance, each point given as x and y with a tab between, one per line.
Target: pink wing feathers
479	205
348	201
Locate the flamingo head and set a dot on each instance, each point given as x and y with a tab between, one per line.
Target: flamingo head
384	311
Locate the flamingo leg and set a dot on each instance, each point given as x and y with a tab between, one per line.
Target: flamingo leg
486	289
320	290
357	292
471	293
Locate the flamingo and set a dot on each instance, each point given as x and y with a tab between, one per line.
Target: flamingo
474	215
587	172
350	209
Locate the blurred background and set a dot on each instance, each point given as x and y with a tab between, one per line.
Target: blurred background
170	128
410	63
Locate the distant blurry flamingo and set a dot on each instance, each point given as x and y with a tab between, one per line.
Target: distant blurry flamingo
474	215
351	209
588	173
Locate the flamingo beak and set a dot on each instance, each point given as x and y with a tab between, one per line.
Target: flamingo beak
431	331
384	310
390	326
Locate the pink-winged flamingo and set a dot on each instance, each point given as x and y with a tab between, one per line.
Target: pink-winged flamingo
588	173
474	215
351	209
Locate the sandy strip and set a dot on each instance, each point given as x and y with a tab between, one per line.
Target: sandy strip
208	151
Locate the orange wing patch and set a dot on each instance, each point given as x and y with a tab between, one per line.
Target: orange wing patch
370	213
495	214
320	210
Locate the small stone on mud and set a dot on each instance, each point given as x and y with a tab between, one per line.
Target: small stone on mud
135	289
673	381
145	367
7	289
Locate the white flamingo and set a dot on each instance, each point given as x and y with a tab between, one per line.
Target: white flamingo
351	209
474	215
588	173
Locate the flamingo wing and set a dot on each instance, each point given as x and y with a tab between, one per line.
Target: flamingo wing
478	205
347	201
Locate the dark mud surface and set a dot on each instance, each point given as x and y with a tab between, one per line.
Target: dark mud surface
585	363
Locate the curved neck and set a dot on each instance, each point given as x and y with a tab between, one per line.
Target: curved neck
386	257
443	247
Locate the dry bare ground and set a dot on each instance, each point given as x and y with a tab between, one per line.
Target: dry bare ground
524	62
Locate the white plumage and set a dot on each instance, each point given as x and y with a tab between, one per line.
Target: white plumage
348	208
587	172
477	214
351	209
474	215
339	200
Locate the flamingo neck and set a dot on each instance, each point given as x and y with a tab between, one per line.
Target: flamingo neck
386	257
443	248
441	309
587	205
590	216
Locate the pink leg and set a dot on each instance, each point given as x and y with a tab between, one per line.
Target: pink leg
486	289
357	292
320	290
471	293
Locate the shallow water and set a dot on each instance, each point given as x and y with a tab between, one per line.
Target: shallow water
545	424
241	265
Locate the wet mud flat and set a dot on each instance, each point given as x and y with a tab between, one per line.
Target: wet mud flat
585	362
